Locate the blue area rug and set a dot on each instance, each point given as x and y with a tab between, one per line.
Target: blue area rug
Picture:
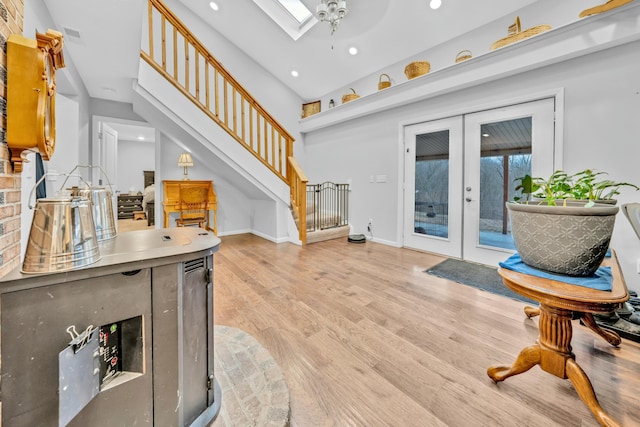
477	275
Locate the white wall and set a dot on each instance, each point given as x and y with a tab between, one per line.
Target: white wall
601	128
478	40
66	155
134	157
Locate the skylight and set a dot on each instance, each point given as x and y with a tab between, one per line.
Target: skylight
297	9
290	15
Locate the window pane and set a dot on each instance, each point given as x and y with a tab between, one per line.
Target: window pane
298	10
505	156
431	215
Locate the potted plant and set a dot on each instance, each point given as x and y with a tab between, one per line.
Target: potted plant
560	225
560	186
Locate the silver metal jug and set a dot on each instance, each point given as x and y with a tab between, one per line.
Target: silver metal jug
102	209
62	237
102	205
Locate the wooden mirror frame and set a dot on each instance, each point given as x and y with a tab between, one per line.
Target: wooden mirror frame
31	90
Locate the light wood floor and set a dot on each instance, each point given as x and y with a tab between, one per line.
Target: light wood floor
125	225
365	338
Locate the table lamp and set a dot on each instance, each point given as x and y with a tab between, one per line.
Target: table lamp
185	161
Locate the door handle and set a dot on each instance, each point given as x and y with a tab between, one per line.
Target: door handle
468	199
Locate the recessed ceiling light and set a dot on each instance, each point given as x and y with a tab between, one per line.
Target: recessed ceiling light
141	138
213	5
294	73
353	50
435	4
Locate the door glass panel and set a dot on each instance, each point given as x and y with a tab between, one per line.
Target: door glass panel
431	216
505	154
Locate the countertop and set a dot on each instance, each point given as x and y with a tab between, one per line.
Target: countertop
128	251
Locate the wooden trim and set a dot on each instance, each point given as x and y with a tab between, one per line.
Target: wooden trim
298	188
235	108
197	76
175	53
163	27
150	15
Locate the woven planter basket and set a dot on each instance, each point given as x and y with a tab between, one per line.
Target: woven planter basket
383	84
463	55
516	35
416	69
350	96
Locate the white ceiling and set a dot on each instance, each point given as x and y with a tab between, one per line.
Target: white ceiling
384	32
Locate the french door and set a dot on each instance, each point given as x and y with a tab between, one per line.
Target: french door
460	171
433	186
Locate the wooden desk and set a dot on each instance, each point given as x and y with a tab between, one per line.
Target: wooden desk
171	201
552	350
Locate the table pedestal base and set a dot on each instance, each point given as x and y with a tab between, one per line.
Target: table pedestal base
587	318
553	353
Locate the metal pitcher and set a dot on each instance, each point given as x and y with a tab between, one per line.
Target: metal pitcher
62	236
102	206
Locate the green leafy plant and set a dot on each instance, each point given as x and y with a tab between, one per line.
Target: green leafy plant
584	185
587	186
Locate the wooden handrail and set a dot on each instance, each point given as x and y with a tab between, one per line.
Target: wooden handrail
298	187
191	68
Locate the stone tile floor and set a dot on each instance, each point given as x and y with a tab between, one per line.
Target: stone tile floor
254	391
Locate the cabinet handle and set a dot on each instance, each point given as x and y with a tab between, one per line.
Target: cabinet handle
131	273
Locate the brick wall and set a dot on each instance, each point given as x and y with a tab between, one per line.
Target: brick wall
11	20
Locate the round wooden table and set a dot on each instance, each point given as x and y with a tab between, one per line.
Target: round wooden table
552	351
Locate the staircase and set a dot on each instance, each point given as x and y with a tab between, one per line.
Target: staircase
220	118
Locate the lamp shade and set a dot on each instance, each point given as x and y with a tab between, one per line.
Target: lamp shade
185	160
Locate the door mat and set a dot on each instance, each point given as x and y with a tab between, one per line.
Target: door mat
477	275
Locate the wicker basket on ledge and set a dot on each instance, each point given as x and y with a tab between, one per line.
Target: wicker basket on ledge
611	4
350	96
463	55
383	84
416	69
515	34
